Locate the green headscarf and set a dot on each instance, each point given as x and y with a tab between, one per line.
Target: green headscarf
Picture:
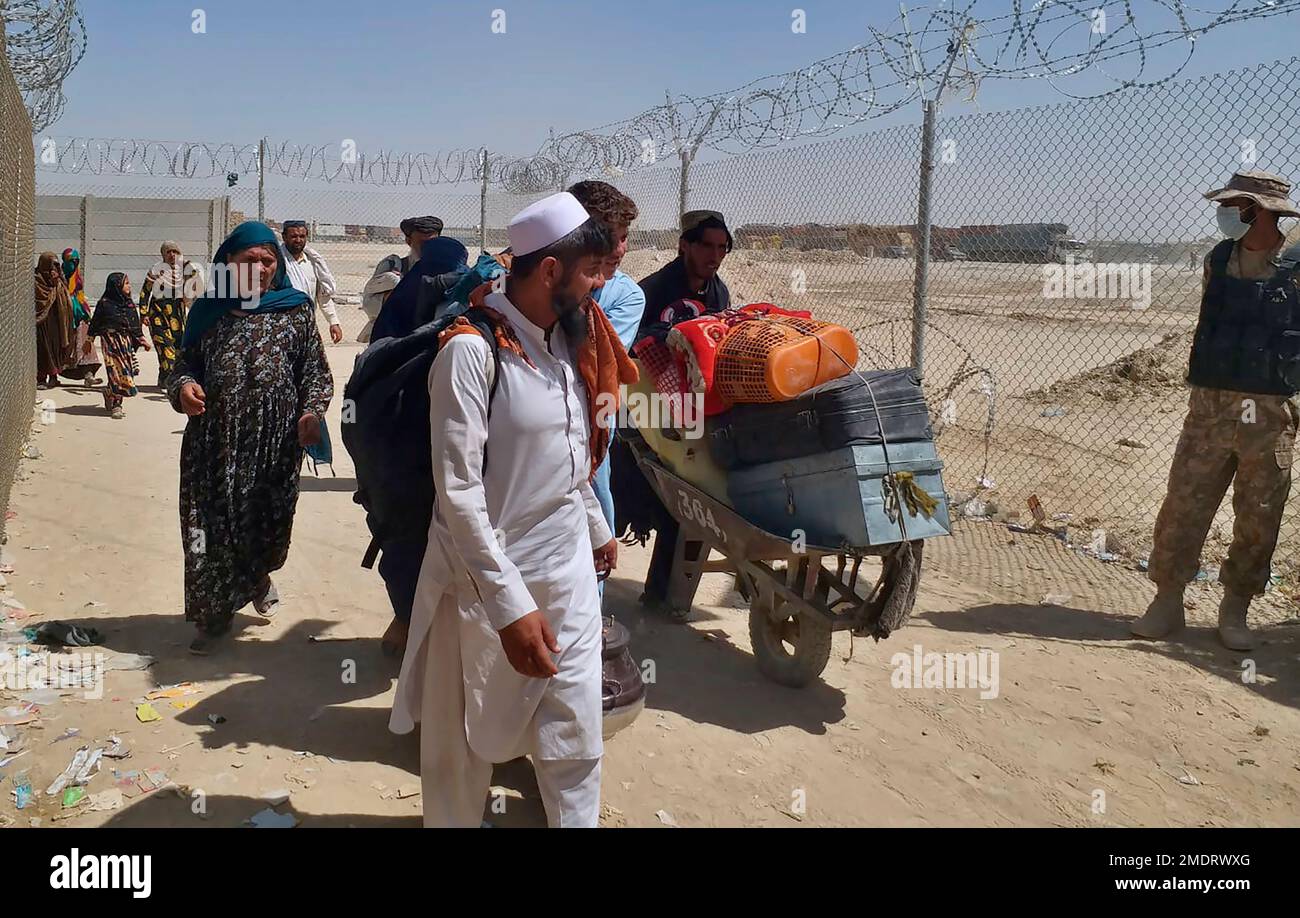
281	295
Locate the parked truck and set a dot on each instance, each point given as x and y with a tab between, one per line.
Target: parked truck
1033	243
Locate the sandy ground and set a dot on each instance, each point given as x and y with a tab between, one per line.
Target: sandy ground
1087	728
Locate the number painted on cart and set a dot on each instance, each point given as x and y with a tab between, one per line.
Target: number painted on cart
694	511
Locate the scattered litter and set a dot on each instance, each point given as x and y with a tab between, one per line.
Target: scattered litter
1143	564
666	818
105	801
41	696
84	766
15	716
1260	731
22	790
270	819
153	779
6	761
146	714
1247	762
122	662
215	719
1189	779
1106	768
276	797
1021	527
93	603
173	691
66	734
1054	411
975	509
116	749
1036	508
11	602
31	451
174	748
72	796
408	790
1131	444
184	704
61	633
793	815
1207	573
1056	599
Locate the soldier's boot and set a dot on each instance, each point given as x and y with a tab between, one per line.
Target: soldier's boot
1164	616
1233	631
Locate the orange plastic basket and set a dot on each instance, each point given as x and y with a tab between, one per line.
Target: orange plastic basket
779	358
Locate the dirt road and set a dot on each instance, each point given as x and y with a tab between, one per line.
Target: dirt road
1087	727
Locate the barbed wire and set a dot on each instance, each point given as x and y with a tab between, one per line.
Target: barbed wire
44	40
1052	40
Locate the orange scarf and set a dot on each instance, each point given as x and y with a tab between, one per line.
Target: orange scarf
603	363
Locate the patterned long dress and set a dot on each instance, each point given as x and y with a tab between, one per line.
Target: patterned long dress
240	458
163	307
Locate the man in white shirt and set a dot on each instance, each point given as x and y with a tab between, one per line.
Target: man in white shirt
309	273
389	272
504	654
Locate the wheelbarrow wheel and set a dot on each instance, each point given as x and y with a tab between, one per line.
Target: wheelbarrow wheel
790	649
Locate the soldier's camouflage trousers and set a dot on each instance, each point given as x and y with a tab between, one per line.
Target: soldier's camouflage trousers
1228	438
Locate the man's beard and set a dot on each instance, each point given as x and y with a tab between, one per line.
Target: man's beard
572	318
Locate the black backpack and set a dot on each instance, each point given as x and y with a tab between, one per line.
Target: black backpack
386	427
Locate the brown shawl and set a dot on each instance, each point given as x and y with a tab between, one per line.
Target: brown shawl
54	309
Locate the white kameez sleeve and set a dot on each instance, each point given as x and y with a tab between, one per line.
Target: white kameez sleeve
458	395
325	286
597	525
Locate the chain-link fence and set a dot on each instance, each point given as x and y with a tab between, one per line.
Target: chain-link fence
17	316
1043	382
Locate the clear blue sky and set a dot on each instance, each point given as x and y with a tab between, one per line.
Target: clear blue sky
432	76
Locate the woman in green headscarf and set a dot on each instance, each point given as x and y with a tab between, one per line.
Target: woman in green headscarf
252	376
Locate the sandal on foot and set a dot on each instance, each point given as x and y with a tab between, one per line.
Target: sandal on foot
269	602
207	637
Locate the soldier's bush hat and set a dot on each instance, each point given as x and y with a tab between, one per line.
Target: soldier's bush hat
1269	191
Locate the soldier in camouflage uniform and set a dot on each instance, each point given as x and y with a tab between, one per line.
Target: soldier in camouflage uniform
1244	373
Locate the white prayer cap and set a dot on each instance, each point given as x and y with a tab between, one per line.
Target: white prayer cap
544	222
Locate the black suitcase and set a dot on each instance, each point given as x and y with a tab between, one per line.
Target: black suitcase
833	415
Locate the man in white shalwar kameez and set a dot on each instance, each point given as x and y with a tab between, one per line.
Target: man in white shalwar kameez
504	653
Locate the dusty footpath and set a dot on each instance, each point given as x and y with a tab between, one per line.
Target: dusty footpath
1087	726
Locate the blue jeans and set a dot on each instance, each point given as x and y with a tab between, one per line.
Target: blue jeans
606	498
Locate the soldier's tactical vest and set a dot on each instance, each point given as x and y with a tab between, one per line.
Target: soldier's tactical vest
1248	334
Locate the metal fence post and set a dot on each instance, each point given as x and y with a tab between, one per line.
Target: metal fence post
261	180
482	205
920	287
684	189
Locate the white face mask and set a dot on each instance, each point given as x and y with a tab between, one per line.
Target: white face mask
1230	222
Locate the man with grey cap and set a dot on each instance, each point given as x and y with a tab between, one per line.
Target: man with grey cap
1244	373
503	657
390	271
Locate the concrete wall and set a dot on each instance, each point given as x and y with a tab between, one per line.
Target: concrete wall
124	234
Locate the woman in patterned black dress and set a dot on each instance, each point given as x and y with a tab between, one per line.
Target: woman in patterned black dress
253	378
